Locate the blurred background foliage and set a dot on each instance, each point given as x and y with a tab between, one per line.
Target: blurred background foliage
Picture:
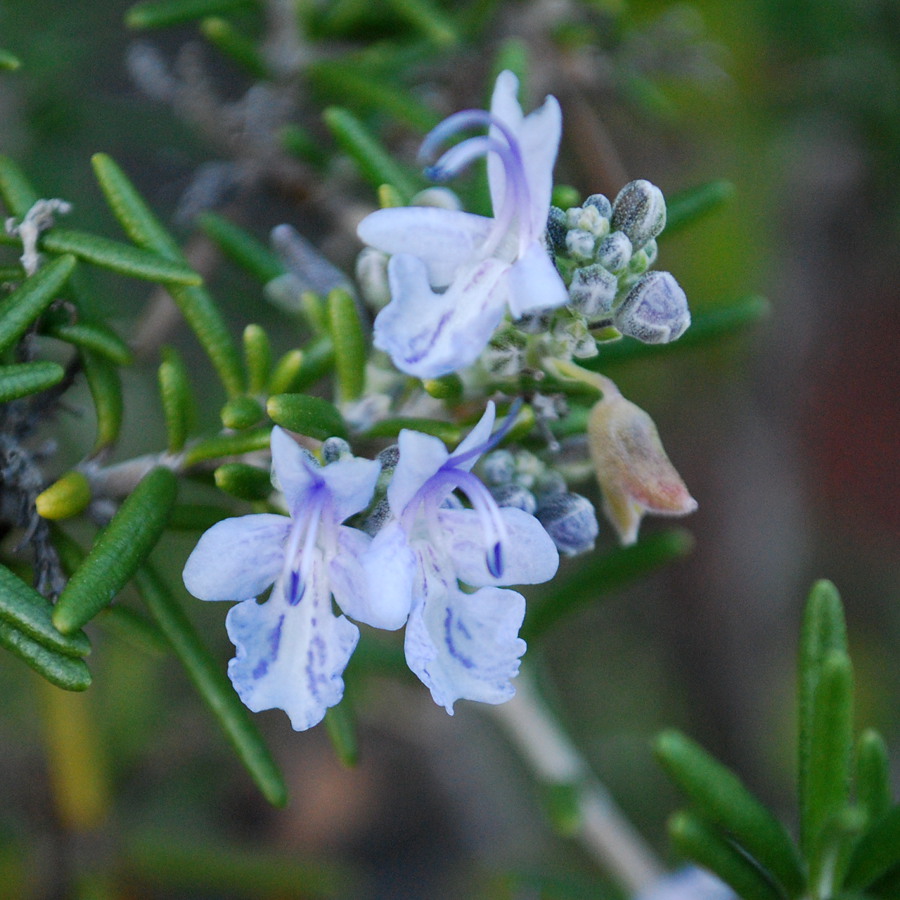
787	435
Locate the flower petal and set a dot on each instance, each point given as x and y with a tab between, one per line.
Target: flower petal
295	471
291	657
534	282
529	556
428	334
389	568
237	558
466	646
351	483
477	437
421	456
444	239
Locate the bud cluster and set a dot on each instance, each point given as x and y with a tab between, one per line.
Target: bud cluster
522	480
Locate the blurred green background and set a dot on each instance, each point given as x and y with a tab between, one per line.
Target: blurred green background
786	435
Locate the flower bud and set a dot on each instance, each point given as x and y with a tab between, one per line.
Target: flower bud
557	226
580	243
438	197
333	449
634	473
64	498
655	310
372	278
614	251
639	211
593	291
601	203
516	496
498	467
570	521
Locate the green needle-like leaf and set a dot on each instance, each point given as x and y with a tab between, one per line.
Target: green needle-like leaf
318	361
195	303
208	676
9	61
286	372
235	45
242	248
177	402
106	392
65	672
258	358
823	632
686	207
873	777
721	798
702	843
118	551
312	416
96	337
375	164
427	18
118	257
22	379
15	188
349	344
877	852
228	445
448	432
162	13
243	481
831	741
706	329
23	608
242	412
31	298
603	574
341	727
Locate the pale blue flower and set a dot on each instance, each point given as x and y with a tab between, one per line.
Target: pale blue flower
292	649
453	274
689	883
462	643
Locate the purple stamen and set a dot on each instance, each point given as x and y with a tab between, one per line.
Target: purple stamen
495	560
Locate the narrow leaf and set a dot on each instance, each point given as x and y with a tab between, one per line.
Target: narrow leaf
96	337
604	574
312	416
873	777
118	257
448	432
118	551
228	445
242	248
243	481
686	207
877	852
286	372
241	412
705	845
428	19
318	361
823	631
24	609
31	298
341	729
9	61
195	303
15	188
349	344
706	328
235	45
258	358
66	497
211	682
21	379
375	164
177	402
162	13
721	798
106	392
831	740
65	672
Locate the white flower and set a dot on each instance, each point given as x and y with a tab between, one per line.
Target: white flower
453	274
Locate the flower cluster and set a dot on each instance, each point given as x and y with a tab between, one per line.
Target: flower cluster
427	557
415	537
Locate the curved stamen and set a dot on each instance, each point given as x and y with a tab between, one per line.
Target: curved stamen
493	440
516	200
